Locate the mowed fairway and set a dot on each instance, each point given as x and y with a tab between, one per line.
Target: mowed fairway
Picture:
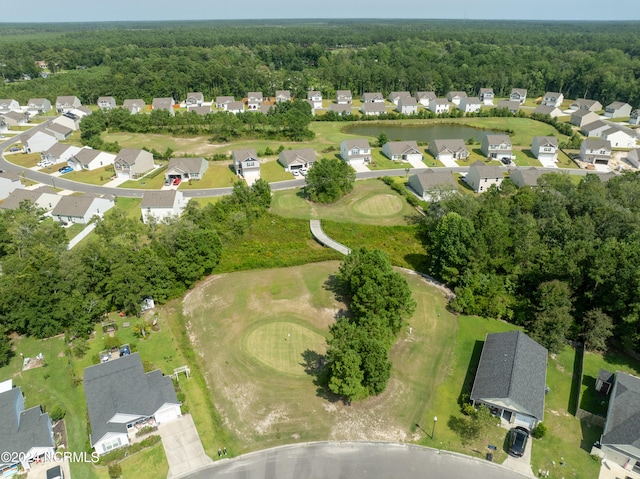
371	202
261	336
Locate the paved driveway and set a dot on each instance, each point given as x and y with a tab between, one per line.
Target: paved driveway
182	446
521	464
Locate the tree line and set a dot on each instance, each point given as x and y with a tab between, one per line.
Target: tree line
560	259
599	60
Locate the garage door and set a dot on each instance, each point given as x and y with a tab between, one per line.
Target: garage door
168	414
526	421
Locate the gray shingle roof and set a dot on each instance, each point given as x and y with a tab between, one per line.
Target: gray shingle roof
244	154
401	147
596	144
547	141
19	195
122	386
306	154
430	178
74	206
159	199
512	369
58	128
545	109
487	171
444	145
623	416
361	143
373	107
529	176
188	165
20	432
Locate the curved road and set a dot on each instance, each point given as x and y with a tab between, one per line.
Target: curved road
353	460
59	182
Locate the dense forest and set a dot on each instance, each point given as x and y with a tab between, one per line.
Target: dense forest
599	60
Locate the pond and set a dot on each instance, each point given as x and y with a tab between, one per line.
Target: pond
423	133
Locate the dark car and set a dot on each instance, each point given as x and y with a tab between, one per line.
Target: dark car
55	473
518	441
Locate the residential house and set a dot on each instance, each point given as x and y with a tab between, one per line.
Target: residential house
552	111
60	132
315	99
186	168
439	105
134	106
633	157
620	136
552	98
545	148
15	118
265	108
90	159
43	197
526	176
583	117
617	109
132	163
496	146
355	152
620	440
297	159
424	97
344	97
66	103
39	106
159	206
481	176
3	125
81	209
194	98
470	104
9	182
69	120
200	110
373	97
449	150
373	108
341	108
38	141
247	164
136	399
634	119
234	107
394	96
407	105
455	97
431	185
254	100
8	105
487	96
585	104
511	378
163	104
595	129
402	151
25	434
81	111
604	381
59	153
518	94
223	101
282	96
595	151
511	105
106	102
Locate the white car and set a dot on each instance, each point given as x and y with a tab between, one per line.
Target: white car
295	172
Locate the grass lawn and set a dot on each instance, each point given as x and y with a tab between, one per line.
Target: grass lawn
564	161
131	206
524	157
145	183
73	230
147	464
99	176
218	175
273	171
370	202
26	160
260	361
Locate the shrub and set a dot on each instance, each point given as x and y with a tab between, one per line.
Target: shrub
115	471
540	431
468	409
112	342
57	413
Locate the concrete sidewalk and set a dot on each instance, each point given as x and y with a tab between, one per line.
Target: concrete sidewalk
182	446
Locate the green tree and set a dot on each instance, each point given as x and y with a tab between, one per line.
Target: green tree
597	328
552	316
329	180
451	249
382	139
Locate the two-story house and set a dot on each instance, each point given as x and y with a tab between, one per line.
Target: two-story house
246	164
132	163
355	152
254	100
552	98
439	105
315	99
497	147
518	94
617	109
487	96
595	151
106	102
344	97
545	148
481	176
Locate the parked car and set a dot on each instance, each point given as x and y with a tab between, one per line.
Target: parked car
176	181
65	169
55	473
167	182
295	172
518	440
13	149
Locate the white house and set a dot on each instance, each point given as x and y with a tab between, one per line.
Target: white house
496	146
90	159
402	151
482	176
633	157
234	107
158	206
372	108
595	151
552	111
518	94
134	105
254	100
106	103
439	105
341	109
634	119
586	104
186	168
38	141
344	97
424	97
9	182
449	150
432	185
552	98
456	96
8	104
372	97
43	197
67	103
545	148
355	152
470	104
487	96
620	136
512	105
247	164
407	105
59	153
137	399
59	131
315	99
582	116
164	104
194	98
223	101
80	209
297	159
283	96
394	96
38	106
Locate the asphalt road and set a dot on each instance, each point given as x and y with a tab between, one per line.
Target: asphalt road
353	460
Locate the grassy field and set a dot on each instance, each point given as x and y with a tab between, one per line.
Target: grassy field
99	176
218	175
273	171
264	377
371	202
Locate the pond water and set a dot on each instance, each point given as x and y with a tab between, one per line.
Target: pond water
424	133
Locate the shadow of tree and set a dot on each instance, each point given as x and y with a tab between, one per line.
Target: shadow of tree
315	365
590	434
418	262
334	285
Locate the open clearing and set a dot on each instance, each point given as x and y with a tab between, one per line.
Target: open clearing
260	336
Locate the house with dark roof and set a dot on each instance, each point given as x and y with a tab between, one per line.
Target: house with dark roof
518	94
341	108
511	378
25	434
200	110
595	151
511	105
486	96
496	146
594	129
545	148
617	109
15	118
67	103
81	209
356	151
132	163
162	205
297	159
482	176
432	185
134	105
582	117
633	157
122	398
186	168
394	96
234	107
620	441
344	97
526	176
59	131
449	150
106	103
402	151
